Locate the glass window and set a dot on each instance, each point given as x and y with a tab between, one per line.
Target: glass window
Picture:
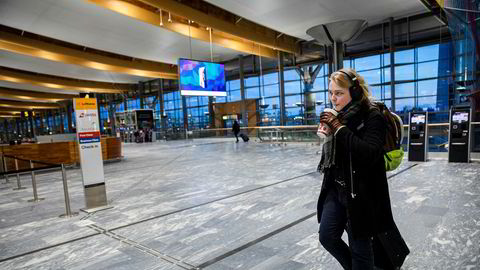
405	56
221	99
251	81
235	95
271	90
386	74
293	111
428	103
404	104
291	101
387	91
290	74
404	90
428	87
376	92
428	53
347	64
319	83
369	62
403	73
371	76
252	92
386	59
292	87
270	78
428	70
234	85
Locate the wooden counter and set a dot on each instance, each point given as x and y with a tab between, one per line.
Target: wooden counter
60	152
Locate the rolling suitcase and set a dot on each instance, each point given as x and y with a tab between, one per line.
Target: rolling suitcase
244	137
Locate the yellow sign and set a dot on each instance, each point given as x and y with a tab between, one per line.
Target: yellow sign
86	103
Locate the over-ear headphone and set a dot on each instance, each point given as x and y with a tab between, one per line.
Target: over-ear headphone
355	90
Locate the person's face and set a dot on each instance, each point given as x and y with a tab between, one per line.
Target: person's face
339	96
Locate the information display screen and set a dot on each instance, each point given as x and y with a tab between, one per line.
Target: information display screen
460	117
418	119
199	78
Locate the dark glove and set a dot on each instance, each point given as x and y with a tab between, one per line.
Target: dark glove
331	121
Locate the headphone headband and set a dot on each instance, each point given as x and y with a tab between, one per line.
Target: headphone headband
355	89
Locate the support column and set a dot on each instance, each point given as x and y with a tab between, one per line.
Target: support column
141	90
281	83
7	132
18	125
42	126
54	125
242	91
62	124
338	55
308	76
211	112
185	113
32	126
69	116
163	115
392	63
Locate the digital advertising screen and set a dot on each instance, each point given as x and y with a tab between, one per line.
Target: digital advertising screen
459	117
199	78
418	119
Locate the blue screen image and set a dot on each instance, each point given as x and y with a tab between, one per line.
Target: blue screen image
201	76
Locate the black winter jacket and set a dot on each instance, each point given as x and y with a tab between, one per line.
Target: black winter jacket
368	204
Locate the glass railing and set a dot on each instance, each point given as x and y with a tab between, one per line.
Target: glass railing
437	135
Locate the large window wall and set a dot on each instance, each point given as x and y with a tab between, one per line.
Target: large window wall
421	83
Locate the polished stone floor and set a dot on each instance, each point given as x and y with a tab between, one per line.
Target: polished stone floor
216	204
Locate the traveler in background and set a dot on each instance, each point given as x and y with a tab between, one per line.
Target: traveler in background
354	194
236	129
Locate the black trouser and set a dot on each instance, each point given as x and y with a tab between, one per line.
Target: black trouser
236	135
334	221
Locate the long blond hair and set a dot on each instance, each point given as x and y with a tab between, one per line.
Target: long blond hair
343	81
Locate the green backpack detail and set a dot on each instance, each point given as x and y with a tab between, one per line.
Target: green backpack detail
393	138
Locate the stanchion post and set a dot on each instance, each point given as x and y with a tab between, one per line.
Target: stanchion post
34	186
68	210
5	170
19	185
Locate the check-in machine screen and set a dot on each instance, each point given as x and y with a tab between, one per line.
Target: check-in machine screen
460	117
418	119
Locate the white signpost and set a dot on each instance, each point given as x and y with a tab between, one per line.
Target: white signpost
90	149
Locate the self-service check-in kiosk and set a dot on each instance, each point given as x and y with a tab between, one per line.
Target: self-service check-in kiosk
459	135
418	136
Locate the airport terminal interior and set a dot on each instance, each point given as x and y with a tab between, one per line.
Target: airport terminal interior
117	148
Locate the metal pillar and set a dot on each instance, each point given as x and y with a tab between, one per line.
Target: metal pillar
68	210
338	55
392	62
242	91
281	83
163	117
34	186
69	116
19	185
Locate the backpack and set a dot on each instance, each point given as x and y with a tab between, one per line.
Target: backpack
393	138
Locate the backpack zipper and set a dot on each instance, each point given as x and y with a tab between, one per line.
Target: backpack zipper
351	171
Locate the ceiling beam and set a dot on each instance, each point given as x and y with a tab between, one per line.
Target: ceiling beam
195	30
20	105
219	24
56	82
10	93
17	41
